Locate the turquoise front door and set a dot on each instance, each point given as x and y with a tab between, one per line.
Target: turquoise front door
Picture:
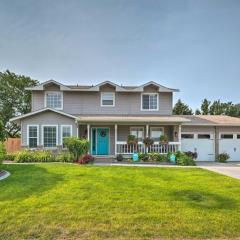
102	141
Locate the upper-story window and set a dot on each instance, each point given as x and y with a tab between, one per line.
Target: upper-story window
54	100
107	99
149	101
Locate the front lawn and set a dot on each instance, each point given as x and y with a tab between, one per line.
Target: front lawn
62	201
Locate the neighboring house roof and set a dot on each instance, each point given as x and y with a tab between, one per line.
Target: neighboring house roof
132	119
40	111
96	88
211	120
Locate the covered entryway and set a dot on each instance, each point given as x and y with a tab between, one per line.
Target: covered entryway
202	143
100	141
230	143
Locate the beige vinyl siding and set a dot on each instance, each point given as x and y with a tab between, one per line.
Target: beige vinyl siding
198	129
47	118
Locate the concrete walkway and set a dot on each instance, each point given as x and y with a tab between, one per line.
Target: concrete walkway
231	169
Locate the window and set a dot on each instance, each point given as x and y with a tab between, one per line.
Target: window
66	132
238	136
187	136
107	99
204	136
50	136
155	133
226	136
54	100
32	136
150	101
137	132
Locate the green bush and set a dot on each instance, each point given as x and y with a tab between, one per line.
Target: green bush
183	160
152	157
10	156
223	157
143	157
77	146
64	157
2	152
34	156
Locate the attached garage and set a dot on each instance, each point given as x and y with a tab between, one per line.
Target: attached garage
230	143
202	143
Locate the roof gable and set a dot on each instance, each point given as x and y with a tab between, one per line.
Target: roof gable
41	86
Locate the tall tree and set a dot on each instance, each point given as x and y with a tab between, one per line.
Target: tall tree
216	108
14	99
205	107
181	108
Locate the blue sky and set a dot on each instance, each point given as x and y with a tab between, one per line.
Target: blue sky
193	45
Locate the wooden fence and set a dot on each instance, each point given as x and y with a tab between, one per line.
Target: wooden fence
13	144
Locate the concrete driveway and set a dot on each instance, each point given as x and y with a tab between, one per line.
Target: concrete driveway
231	169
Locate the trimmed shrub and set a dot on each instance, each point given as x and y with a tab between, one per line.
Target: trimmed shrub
10	156
223	157
87	158
34	156
183	160
143	157
64	157
3	152
77	146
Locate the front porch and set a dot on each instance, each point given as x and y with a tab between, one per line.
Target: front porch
109	140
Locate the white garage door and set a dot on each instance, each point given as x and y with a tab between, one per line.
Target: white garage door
202	143
230	143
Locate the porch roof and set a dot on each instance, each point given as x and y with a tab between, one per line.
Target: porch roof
131	119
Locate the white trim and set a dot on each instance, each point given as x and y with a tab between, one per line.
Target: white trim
102	93
62	126
32	125
150	110
42	110
45	99
115	137
50	125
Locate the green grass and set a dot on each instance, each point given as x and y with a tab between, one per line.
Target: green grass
62	201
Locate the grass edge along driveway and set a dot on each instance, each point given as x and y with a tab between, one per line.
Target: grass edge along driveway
62	201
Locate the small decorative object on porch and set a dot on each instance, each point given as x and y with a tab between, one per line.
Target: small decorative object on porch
135	157
163	139
119	157
172	158
131	140
148	141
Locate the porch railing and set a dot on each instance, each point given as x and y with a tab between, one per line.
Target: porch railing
124	148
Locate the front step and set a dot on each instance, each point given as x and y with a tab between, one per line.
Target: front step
104	159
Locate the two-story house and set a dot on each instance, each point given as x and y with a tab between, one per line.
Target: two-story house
107	113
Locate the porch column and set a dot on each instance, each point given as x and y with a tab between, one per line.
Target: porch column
179	136
147	130
116	128
88	132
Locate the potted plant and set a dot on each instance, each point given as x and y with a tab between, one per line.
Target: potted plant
148	141
163	139
131	140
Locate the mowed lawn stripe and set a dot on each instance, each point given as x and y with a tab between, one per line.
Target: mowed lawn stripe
62	201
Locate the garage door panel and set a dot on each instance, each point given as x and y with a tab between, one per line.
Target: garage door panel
231	147
201	144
